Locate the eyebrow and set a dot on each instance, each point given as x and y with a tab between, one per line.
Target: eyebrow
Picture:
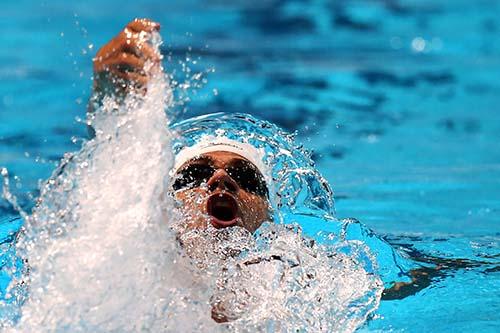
238	160
201	159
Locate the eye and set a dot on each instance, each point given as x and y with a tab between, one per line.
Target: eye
192	176
248	178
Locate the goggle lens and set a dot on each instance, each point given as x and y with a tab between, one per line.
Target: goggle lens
244	173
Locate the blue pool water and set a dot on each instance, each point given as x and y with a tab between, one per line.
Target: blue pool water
398	101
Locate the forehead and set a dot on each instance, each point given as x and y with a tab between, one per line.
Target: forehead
223	156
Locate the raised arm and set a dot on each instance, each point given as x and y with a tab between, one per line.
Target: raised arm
126	62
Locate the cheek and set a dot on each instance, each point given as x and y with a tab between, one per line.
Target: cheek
191	198
192	205
254	209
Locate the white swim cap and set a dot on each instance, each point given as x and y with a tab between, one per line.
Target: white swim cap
210	143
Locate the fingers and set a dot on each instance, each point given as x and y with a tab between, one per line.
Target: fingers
145	25
143	50
128	42
129	58
131	40
122	62
125	71
135	40
123	59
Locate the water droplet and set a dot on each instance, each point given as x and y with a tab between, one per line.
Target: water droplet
418	44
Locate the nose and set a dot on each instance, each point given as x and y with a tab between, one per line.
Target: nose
220	179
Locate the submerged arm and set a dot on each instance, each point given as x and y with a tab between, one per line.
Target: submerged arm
423	277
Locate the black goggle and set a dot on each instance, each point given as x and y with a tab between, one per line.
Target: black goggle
244	173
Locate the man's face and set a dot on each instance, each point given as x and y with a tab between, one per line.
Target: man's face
223	189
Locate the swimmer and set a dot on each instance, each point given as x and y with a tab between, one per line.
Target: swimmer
221	180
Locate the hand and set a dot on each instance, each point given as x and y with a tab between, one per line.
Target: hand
119	66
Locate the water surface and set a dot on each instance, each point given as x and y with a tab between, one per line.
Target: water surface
397	99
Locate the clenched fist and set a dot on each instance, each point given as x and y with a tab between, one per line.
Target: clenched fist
127	62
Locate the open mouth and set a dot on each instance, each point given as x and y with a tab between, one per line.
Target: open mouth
223	209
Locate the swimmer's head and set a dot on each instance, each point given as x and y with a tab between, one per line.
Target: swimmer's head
220	184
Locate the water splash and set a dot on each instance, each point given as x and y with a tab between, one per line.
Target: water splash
99	250
291	283
103	252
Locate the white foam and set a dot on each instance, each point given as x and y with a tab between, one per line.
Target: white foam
100	252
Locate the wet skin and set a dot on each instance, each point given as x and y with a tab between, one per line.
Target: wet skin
127	62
